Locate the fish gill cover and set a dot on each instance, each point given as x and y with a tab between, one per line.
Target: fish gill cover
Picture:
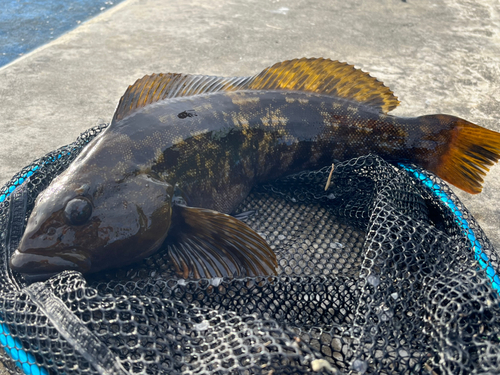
385	272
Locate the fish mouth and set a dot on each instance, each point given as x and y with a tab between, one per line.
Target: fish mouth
36	267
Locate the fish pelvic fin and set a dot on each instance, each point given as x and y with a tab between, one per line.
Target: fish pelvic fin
207	244
465	158
314	75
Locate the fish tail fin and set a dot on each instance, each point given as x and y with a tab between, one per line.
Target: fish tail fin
466	156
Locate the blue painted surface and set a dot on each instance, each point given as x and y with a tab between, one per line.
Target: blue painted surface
28	24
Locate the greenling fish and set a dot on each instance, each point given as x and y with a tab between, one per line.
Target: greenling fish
182	151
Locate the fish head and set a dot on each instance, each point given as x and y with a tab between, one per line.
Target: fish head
91	227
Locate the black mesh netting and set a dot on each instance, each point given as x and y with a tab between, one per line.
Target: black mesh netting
378	274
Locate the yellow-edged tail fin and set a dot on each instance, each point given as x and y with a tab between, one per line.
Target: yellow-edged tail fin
471	149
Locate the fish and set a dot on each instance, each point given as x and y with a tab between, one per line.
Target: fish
183	151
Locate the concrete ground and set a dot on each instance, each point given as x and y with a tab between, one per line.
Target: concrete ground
438	56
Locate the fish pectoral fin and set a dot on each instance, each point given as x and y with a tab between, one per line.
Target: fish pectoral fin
207	244
315	75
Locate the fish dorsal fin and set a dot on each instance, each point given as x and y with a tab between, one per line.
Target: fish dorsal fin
326	77
321	76
156	87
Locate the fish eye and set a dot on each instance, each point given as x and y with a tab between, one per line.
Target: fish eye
78	211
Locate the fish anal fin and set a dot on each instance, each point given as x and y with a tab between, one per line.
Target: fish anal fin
208	244
326	77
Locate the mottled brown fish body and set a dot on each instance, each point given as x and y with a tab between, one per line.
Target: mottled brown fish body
217	146
183	151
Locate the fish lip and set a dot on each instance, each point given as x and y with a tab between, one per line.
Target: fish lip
37	265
